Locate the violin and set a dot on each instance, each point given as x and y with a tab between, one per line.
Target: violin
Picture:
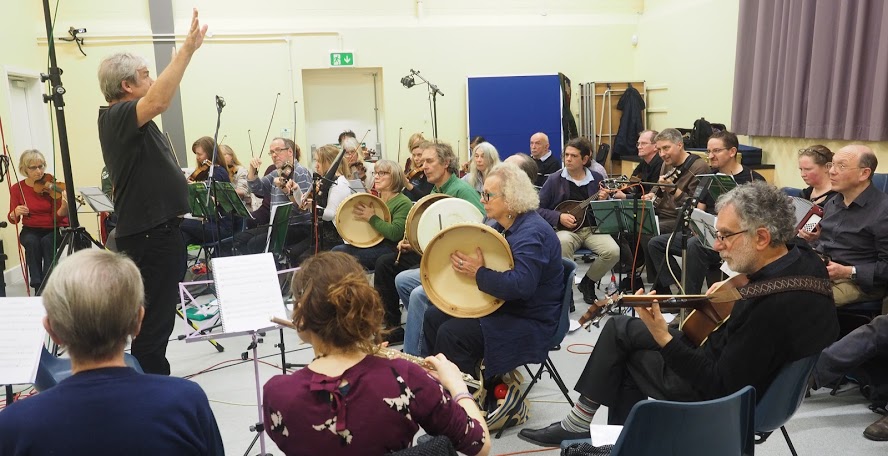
202	172
414	173
49	186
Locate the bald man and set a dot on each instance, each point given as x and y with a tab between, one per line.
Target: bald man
548	163
853	235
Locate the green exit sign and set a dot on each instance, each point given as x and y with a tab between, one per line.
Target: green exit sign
342	59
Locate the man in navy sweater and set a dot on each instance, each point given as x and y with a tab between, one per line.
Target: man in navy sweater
93	306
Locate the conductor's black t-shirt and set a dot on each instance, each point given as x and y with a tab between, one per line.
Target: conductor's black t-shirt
149	187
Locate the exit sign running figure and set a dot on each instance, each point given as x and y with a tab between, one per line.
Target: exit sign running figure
342	59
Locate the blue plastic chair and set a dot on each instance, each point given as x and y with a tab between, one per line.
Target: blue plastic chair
721	426
563	325
783	398
53	369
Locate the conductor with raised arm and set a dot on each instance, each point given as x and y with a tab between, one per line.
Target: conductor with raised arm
150	192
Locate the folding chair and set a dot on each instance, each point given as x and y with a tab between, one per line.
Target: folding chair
563	325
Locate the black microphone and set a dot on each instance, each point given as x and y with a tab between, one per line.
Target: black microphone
220	103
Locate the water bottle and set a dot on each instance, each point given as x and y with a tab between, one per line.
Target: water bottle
611	288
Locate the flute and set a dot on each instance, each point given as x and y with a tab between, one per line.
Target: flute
390	353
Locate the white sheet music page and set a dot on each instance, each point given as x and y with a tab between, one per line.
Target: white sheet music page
249	292
21	339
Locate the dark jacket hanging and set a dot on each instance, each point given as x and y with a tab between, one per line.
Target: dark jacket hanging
631	122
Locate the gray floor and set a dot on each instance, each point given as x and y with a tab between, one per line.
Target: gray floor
825	425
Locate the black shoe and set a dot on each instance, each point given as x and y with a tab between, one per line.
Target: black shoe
587	287
395	337
550	436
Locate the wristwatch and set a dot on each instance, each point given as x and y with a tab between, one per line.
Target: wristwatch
853	273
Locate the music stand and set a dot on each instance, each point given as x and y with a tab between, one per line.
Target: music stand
633	217
96	199
230	203
720	184
245	285
276	238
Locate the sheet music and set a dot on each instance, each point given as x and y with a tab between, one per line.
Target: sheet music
604	434
96	199
703	225
249	292
21	339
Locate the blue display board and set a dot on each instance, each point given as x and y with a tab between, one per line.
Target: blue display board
507	110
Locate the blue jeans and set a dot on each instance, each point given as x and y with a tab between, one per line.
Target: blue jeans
416	301
367	256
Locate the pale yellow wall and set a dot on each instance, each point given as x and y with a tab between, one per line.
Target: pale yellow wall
685	54
260	49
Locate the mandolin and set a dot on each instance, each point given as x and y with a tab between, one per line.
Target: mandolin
578	208
670	178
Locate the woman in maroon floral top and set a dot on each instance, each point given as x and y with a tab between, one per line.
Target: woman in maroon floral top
348	402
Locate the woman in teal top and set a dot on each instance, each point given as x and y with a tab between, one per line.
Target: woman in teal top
389	182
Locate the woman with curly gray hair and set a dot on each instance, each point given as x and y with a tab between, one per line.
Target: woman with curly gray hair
532	289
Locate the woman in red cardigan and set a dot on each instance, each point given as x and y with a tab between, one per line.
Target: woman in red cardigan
40	214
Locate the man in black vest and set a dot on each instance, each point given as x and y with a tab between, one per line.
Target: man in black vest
545	160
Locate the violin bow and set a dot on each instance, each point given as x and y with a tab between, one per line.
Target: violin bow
273	109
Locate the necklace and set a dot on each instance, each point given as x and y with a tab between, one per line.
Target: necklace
319	356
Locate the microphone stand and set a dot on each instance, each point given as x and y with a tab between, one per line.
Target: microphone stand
75	237
685	219
211	190
434	91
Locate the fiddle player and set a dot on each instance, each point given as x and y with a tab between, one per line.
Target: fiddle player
416	185
440	166
576	182
150	192
637	358
853	234
358	168
284	152
195	231
41	215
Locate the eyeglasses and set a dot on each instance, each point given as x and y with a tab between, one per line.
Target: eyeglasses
382	173
642	144
487	196
277	151
715	151
724	237
35	168
841	166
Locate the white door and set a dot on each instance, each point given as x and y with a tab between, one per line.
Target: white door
340	99
29	127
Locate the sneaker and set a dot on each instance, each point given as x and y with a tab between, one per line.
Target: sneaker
395	336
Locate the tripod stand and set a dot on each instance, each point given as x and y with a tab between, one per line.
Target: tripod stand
74	236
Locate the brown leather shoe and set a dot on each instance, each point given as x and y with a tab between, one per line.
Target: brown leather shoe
878	430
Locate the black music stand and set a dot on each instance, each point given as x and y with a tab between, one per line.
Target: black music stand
229	203
631	217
